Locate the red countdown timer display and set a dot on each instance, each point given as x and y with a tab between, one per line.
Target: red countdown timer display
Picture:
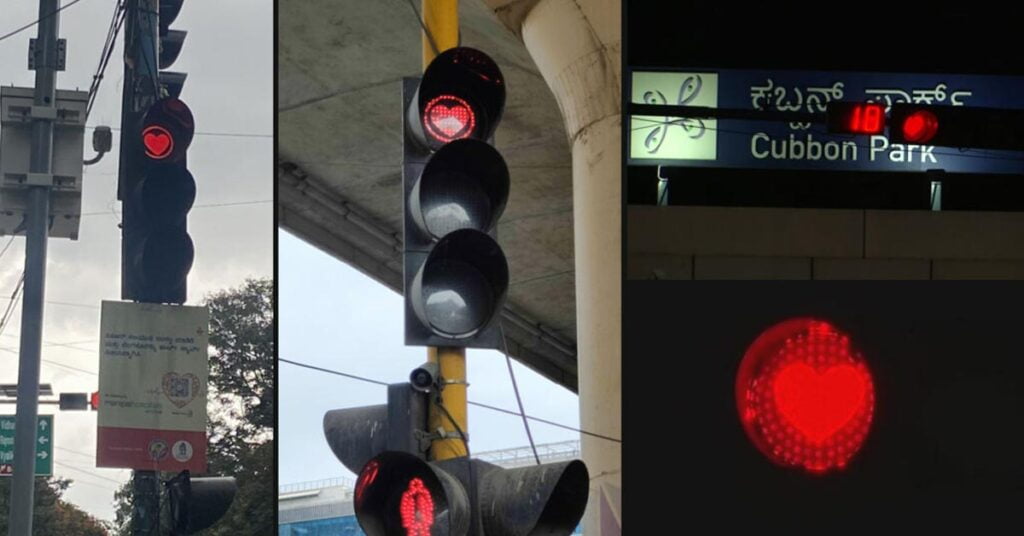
856	118
805	395
447	118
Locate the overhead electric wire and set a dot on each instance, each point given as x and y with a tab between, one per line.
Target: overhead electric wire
116	23
515	387
471	403
220	134
211	205
31	24
72	467
15	296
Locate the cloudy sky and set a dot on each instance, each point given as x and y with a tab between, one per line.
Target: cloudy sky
228	58
334	317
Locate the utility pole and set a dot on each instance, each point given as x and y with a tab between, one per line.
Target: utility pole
44	111
140	91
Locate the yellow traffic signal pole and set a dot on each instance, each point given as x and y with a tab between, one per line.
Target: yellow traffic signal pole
441	22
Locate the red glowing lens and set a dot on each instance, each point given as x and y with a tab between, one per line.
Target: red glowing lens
448	118
805	395
366	478
158	142
417	509
920	126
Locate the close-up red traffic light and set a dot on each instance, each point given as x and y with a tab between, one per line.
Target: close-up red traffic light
805	395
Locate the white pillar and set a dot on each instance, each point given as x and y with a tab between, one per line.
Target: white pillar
576	44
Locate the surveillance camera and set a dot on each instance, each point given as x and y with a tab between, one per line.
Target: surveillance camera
424	377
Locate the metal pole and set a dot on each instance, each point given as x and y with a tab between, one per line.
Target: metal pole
146	504
140	92
441	22
36	232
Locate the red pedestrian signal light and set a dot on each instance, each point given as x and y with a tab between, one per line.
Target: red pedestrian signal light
399	493
805	395
856	118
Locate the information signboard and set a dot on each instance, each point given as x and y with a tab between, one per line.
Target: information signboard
153	387
741	143
44	445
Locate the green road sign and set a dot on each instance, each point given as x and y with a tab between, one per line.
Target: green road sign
44	445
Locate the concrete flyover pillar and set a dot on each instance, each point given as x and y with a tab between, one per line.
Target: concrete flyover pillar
577	45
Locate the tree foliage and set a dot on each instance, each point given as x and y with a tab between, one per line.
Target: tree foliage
51	515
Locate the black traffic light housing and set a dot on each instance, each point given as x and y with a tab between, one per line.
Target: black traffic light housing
957	126
157	249
456	186
400	490
197	503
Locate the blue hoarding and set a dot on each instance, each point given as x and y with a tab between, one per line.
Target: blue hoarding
780	145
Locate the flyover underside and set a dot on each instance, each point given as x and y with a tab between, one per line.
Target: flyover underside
309	210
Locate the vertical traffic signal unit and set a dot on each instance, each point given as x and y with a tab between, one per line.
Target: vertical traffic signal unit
158	249
456	186
399	492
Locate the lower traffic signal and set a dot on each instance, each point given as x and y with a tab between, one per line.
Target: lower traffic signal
197	503
400	492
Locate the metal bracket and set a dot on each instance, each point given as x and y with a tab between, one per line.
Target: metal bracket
423	440
443	382
34	53
38	179
441	433
44	112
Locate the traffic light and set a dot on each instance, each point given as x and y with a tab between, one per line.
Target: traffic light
399	491
805	395
456	186
171	42
957	126
158	249
197	503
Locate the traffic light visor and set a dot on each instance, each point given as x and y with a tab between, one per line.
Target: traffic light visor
465	185
462	284
461	95
167	130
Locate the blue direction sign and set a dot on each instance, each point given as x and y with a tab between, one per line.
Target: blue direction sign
741	143
44	445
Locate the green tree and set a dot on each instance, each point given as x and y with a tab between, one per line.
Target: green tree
51	515
241	410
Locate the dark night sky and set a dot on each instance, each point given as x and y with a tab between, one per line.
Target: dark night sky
816	36
949	424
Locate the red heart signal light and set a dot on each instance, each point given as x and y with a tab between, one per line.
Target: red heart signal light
159	143
805	396
448	118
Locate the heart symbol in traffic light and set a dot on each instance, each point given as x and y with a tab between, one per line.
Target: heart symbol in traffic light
449	118
805	395
158	142
819	402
